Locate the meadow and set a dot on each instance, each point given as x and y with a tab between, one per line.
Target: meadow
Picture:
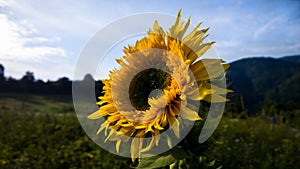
42	131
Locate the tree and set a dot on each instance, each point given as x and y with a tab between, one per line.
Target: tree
29	77
2	78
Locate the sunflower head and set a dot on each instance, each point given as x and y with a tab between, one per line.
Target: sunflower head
154	95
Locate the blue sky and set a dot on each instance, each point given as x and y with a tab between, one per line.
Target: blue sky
46	37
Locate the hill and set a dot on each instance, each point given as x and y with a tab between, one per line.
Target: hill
261	81
295	58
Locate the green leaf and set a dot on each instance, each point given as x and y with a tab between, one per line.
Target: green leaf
167	158
212	163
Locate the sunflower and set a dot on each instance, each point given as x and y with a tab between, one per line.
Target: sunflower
160	81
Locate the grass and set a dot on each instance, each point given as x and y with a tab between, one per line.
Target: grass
42	131
37	103
257	143
50	136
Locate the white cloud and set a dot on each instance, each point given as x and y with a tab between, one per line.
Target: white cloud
265	27
17	42
21	47
59	16
2	3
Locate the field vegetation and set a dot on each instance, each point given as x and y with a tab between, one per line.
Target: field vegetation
42	131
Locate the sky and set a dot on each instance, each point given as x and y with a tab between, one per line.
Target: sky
47	37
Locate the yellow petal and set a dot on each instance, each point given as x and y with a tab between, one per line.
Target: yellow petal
203	48
150	145
202	64
176	108
174	125
213	71
125	130
192	34
169	141
136	147
157	125
215	98
197	38
104	125
183	30
188	62
149	128
118	143
140	127
220	90
172	111
189	114
200	94
172	30
175	128
95	115
112	131
113	118
157	136
157	28
101	102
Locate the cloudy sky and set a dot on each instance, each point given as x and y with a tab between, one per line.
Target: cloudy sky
46	37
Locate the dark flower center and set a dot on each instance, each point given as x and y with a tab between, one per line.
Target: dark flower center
144	83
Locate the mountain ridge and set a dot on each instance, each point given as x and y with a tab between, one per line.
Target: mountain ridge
260	80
